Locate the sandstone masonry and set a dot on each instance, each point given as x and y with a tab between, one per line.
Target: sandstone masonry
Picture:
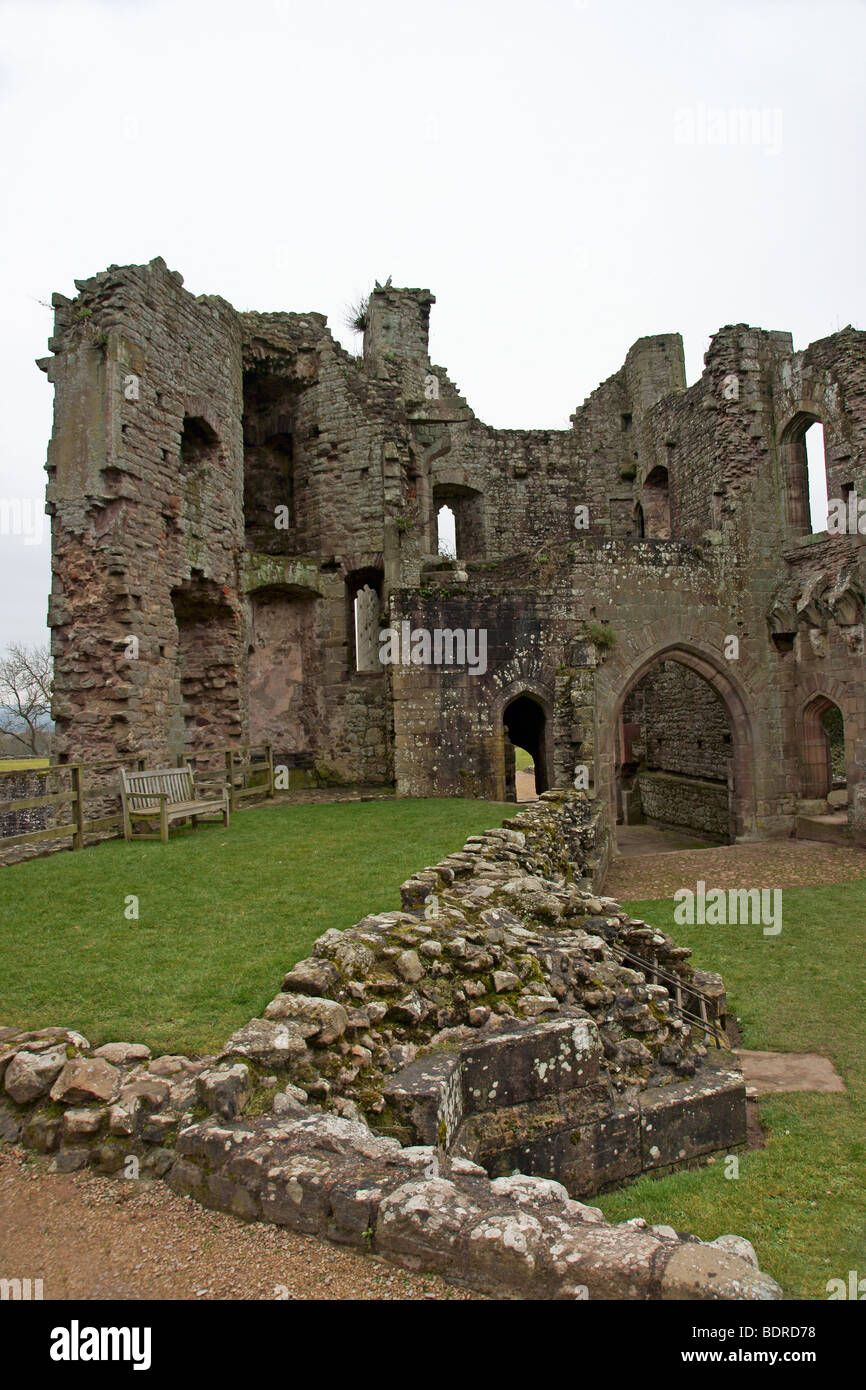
251	503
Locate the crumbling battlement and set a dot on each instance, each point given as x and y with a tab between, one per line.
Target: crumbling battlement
253	504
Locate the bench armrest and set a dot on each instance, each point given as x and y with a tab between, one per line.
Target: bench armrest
161	797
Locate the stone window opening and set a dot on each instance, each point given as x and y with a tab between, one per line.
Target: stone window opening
804	474
364	592
639	525
446	533
467	506
270	503
199	445
655	498
816	470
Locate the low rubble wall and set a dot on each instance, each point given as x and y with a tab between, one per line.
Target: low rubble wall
411	1064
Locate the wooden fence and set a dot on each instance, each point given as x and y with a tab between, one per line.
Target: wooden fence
247	770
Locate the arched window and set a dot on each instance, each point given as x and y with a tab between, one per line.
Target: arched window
816	470
804	474
466	505
446	533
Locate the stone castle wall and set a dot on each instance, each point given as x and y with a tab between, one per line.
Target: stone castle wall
228	514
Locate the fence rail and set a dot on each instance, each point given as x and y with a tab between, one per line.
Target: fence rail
705	1014
246	769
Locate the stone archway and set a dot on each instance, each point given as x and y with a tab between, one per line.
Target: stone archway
525	715
732	696
816	770
525	726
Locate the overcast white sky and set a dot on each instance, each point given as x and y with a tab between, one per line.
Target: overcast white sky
556	172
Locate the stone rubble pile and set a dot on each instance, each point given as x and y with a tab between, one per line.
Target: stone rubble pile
278	1126
497	932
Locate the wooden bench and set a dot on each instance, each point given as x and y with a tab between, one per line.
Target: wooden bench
165	794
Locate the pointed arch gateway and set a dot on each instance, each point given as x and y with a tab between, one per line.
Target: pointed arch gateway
822	747
722	681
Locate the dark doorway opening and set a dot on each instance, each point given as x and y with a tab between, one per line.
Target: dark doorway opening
525	727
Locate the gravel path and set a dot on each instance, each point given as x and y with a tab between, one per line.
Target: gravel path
106	1238
768	864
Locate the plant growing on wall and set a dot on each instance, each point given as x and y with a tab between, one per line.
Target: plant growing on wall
358	314
601	634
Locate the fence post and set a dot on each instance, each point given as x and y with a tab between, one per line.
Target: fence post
230	774
77	806
269	749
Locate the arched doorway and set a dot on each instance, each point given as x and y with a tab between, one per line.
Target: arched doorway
675	764
525	724
822	755
615	750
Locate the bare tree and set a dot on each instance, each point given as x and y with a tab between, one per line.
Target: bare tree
25	694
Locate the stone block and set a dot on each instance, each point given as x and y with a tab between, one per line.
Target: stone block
703	1114
427	1098
529	1062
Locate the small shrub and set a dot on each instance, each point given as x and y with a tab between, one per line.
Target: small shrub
358	315
601	634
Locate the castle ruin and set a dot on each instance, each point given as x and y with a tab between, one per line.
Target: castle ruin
254	506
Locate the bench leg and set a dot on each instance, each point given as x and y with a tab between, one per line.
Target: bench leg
163	823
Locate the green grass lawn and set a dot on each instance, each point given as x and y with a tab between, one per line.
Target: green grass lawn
222	915
801	1199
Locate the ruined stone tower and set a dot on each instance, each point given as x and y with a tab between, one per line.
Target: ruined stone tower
252	505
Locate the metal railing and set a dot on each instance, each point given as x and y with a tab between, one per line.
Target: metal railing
706	1018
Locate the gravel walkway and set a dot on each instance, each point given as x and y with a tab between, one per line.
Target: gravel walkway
106	1238
768	864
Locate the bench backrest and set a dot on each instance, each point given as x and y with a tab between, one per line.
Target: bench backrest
142	789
